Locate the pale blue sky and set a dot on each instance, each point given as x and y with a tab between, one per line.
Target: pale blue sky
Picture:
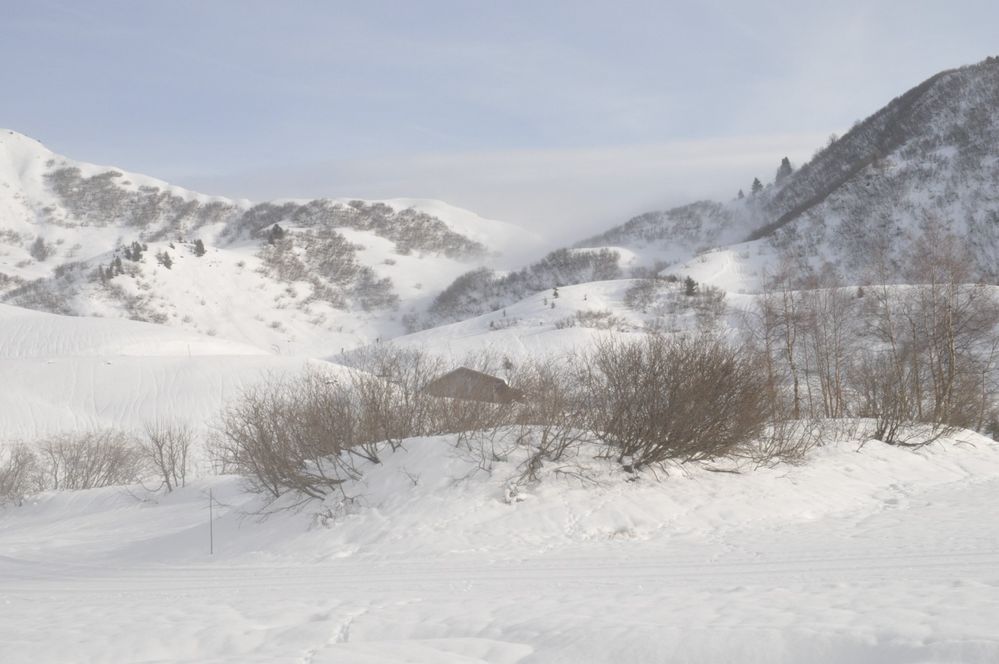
561	115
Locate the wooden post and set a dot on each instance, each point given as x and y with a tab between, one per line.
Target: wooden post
211	525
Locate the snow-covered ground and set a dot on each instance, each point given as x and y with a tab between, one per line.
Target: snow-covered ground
871	554
64	373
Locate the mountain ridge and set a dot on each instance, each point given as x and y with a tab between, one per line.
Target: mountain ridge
69	232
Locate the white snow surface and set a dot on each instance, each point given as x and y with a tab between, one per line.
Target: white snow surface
867	554
65	373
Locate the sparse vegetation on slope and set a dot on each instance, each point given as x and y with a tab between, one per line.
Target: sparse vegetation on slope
483	290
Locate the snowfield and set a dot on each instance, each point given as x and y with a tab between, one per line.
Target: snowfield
866	554
63	373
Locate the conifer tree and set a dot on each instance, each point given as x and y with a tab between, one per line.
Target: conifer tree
275	234
784	170
689	287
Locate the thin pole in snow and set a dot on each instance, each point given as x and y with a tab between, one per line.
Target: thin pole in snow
211	525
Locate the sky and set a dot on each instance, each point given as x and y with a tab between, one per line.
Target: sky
564	117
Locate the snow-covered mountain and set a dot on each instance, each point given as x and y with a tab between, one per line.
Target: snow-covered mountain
459	548
322	274
930	157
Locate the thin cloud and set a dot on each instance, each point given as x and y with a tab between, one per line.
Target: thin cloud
561	193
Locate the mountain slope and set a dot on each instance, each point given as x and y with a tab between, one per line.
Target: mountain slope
928	160
302	275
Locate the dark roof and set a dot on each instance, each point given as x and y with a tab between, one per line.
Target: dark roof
472	385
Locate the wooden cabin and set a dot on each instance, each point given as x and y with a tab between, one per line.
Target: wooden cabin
472	385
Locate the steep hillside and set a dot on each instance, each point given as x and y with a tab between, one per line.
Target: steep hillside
928	159
300	275
677	234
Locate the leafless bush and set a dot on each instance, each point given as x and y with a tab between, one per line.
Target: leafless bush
18	474
643	292
552	416
89	460
505	323
785	440
389	385
166	449
666	399
291	434
592	318
930	365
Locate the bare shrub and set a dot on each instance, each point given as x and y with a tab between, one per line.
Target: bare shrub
592	318
89	460
389	387
674	399
166	449
933	347
290	435
709	306
18	474
642	293
552	416
787	441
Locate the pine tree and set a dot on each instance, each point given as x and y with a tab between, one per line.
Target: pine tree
199	248
555	293
275	234
116	267
164	259
783	170
134	253
39	251
757	186
741	194
689	287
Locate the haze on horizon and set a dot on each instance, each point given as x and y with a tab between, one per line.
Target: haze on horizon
565	117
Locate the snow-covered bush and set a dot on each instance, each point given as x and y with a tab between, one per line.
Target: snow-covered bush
103	199
597	319
411	230
327	260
